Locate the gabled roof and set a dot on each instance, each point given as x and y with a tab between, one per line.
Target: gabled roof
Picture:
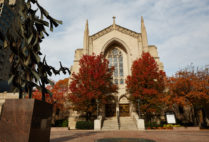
118	28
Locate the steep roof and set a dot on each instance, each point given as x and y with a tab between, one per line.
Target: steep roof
115	27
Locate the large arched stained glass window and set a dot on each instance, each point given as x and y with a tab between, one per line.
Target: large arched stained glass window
115	58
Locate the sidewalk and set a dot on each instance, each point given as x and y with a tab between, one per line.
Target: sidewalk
64	135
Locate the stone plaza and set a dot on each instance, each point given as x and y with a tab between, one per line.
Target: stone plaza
64	135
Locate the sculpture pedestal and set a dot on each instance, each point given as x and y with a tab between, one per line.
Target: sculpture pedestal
25	120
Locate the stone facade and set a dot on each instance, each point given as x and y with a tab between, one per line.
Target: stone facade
121	47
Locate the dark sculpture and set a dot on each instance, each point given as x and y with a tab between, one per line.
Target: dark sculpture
27	120
23	38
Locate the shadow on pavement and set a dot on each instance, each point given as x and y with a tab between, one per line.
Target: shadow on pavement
74	136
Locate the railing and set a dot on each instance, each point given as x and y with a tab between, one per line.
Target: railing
118	119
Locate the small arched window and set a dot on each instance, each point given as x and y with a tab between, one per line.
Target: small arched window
115	58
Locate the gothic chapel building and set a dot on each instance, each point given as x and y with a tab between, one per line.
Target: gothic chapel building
121	47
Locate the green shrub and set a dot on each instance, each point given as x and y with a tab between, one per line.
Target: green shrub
162	124
84	125
151	124
61	123
171	125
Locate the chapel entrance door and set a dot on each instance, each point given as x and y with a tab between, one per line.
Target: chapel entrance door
124	109
110	107
110	110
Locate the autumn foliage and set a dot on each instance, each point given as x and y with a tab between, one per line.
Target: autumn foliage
189	87
91	84
58	98
38	95
146	83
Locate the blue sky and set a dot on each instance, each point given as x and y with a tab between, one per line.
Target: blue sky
179	28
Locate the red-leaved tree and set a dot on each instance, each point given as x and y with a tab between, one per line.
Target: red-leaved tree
190	87
59	91
90	86
58	99
146	85
36	94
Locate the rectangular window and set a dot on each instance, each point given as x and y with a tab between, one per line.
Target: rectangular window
116	72
121	72
115	65
121	81
120	59
121	65
110	60
115	59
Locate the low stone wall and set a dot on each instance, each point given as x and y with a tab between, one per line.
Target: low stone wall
98	123
139	122
6	95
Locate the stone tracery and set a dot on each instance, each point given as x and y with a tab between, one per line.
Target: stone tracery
115	58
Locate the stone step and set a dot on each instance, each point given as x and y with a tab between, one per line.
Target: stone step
127	123
110	124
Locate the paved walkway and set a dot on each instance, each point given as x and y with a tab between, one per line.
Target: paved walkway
157	135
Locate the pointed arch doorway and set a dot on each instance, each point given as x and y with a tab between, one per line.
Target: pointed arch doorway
124	106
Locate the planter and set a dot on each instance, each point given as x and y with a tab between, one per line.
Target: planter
25	120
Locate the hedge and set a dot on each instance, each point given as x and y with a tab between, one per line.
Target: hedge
84	125
61	123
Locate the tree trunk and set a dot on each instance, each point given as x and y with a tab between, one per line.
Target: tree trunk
195	117
88	116
204	123
194	120
54	115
